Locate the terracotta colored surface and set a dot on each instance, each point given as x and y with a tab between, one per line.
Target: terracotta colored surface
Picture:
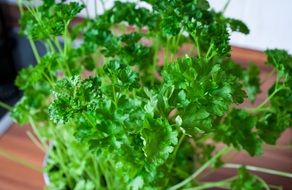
14	176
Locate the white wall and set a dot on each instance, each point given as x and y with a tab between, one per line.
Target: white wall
270	21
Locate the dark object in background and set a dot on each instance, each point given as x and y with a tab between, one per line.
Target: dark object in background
15	54
7	68
8	92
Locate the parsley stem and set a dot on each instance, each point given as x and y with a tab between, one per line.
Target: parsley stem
19	4
114	94
225	6
268	99
265	185
62	157
278	146
35	141
5	106
178	145
35	130
34	50
262	109
222	184
48	79
95	8
103	166
259	169
198	47
67	41
176	150
276	187
95	168
51	46
155	59
201	169
88	120
209	51
57	43
67	45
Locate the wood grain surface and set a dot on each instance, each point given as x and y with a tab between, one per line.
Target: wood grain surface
13	174
16	144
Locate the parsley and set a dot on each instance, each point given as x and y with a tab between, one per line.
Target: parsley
119	119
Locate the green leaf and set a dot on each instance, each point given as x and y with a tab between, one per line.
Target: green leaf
246	181
123	75
281	60
272	125
238	26
159	139
252	81
203	4
72	96
31	76
238	130
196	119
49	19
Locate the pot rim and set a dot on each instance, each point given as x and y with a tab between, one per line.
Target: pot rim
45	163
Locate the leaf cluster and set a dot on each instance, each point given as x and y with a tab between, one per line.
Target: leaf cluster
50	19
139	123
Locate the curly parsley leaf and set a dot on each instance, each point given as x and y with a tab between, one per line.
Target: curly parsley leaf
196	85
72	97
49	19
238	130
281	60
156	153
237	26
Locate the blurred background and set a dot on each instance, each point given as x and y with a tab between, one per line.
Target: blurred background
270	21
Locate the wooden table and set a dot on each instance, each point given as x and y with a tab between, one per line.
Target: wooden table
14	175
16	144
